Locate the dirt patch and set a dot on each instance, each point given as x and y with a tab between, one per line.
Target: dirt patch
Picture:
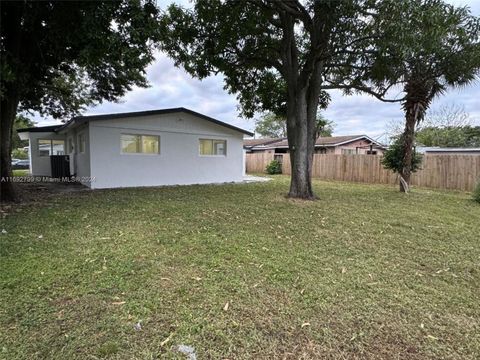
32	192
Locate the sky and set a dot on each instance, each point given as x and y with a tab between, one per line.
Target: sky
358	114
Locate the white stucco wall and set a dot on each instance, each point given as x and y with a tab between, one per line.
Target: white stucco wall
178	163
79	162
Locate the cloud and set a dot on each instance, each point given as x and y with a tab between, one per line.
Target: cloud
358	114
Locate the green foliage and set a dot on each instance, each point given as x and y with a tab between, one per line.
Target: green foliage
21	122
74	54
19	154
448	126
274	167
432	46
274	126
393	158
249	41
476	193
324	126
464	136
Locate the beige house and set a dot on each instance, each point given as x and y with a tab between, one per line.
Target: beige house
346	145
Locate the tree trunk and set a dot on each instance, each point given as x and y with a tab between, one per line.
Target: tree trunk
8	111
408	140
301	151
303	89
11	97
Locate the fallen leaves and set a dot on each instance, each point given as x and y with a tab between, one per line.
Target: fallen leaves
164	342
118	302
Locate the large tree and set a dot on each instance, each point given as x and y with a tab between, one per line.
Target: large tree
276	56
435	48
59	56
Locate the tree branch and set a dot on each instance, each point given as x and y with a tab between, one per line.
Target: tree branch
379	95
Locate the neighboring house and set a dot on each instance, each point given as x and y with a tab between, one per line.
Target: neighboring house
447	151
347	145
147	148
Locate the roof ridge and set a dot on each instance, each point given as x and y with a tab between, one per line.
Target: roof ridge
85	118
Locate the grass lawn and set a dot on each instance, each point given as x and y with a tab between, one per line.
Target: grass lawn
20	172
365	272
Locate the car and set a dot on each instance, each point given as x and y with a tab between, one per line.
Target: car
14	161
21	164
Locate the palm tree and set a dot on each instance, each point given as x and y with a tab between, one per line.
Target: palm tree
437	48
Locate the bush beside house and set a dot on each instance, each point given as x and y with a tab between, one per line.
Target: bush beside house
274	167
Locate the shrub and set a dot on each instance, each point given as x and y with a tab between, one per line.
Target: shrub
476	193
275	167
393	158
19	154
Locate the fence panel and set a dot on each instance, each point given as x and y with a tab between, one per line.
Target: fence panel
257	162
454	172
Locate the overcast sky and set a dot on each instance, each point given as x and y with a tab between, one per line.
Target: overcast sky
361	114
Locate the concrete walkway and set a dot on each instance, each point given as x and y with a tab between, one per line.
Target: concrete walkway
251	179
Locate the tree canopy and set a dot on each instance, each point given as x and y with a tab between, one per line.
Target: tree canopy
274	126
21	122
58	56
449	126
277	56
436	47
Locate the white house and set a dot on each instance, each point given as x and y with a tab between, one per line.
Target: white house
148	148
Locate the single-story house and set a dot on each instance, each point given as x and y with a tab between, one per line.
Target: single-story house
148	148
447	151
346	145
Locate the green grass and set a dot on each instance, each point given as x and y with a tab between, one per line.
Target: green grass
364	272
20	172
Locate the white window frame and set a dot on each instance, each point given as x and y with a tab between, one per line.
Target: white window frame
141	141
211	155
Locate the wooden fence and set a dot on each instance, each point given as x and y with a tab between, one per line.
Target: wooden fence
454	172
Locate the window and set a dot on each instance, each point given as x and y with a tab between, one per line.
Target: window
349	151
58	147
140	144
213	147
47	147
81	142
44	147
